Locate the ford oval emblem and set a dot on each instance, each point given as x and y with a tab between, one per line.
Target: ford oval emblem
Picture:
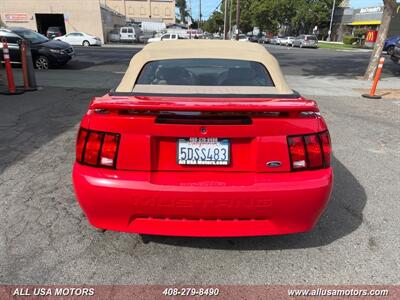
274	164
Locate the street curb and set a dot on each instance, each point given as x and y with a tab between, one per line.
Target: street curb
135	46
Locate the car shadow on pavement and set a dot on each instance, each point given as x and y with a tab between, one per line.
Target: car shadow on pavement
342	216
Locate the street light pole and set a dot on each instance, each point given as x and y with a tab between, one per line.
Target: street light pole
226	20
330	25
230	16
237	18
199	14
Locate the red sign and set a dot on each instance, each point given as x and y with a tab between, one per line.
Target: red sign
371	36
17	18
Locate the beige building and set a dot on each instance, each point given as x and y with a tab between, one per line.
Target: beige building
144	10
89	16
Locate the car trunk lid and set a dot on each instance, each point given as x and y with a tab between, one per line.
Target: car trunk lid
152	127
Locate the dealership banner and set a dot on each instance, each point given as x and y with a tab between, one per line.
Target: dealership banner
122	292
16	18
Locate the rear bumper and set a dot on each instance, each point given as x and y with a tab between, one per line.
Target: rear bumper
202	204
310	45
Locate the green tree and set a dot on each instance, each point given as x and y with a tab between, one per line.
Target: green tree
294	15
246	21
310	13
215	22
181	5
264	15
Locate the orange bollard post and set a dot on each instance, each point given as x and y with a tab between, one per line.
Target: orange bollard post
7	63
24	65
12	89
378	73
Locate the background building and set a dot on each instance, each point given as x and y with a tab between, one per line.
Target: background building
347	21
342	18
95	17
144	10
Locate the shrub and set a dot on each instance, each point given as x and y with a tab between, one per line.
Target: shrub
349	40
360	33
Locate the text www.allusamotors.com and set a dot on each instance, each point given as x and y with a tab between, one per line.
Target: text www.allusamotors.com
337	292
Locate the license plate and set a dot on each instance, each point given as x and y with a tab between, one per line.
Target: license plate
203	151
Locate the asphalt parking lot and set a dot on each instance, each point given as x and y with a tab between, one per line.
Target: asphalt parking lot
45	238
294	61
327	62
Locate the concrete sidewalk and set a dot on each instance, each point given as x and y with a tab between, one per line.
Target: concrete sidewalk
118	45
306	85
333	86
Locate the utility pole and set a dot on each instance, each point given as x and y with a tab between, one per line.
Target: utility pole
237	18
230	17
190	15
330	25
226	20
149	9
199	14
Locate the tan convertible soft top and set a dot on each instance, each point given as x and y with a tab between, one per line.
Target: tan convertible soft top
181	49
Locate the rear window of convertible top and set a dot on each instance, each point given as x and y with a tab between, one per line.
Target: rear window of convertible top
205	72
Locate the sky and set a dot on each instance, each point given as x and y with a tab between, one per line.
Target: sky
208	6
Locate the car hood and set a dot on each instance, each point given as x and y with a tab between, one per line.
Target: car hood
56	44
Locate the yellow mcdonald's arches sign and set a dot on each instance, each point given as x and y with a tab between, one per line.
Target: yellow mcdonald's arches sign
371	36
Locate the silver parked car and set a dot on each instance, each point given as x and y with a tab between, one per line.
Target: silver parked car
113	36
286	41
305	40
264	40
274	40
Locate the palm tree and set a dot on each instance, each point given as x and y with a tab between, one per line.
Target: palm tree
181	5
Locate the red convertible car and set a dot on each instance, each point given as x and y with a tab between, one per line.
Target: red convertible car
203	138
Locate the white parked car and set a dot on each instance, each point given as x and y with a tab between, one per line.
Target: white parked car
164	37
242	38
80	39
286	41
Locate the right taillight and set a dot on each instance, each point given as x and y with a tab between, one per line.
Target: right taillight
98	149
311	151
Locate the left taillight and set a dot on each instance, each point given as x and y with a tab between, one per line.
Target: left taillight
80	143
98	149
